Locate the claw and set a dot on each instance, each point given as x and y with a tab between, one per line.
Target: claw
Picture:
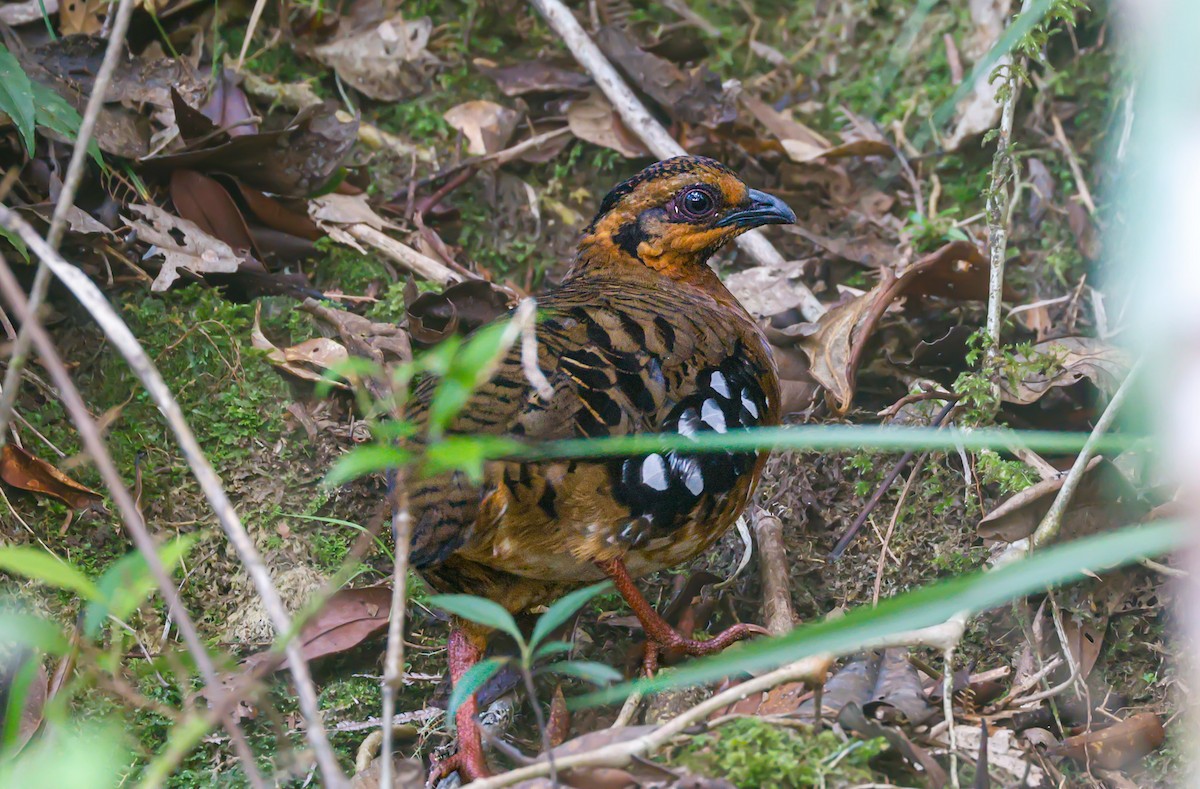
655	648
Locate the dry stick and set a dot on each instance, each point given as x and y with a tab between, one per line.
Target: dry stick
621	753
772	561
66	200
122	338
1048	529
393	671
93	442
651	132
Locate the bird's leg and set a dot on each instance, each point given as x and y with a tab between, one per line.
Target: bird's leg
660	635
464	648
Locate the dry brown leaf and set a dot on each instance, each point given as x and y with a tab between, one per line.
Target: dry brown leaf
307	360
27	472
534	76
764	290
979	111
1104	501
81	17
458	310
182	245
594	120
559	723
801	143
383	61
1116	746
348	618
1079	357
487	126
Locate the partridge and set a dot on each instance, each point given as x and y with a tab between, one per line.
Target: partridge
640	337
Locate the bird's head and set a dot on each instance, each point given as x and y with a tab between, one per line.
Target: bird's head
672	216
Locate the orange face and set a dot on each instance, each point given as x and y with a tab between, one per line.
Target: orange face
675	214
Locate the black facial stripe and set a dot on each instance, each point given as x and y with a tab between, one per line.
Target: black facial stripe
629	236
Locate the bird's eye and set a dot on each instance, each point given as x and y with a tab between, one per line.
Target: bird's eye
696	203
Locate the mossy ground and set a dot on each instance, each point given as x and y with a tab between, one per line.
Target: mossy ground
236	402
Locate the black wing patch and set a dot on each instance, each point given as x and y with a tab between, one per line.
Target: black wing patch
665	490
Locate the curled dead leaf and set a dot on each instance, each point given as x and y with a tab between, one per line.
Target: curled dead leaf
486	125
458	310
594	120
27	472
308	360
182	245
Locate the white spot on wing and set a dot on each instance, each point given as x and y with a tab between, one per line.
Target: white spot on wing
749	405
693	480
712	415
654	472
719	385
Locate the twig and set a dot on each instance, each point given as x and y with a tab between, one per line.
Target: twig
499	157
887	537
93	442
412	260
876	497
393	667
650	131
1048	529
772	562
122	338
948	711
998	208
255	15
66	200
1085	194
621	753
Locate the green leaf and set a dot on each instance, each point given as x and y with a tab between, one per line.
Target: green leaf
38	565
479	610
366	459
563	609
551	648
32	631
127	583
588	670
923	607
466	453
56	113
17	242
16	97
469	682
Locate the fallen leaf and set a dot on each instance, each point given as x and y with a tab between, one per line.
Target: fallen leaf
594	120
1104	501
1116	746
228	107
696	96
559	723
182	245
37	692
406	774
898	696
765	291
205	202
534	76
1078	358
487	126
457	310
801	143
84	17
27	472
348	618
385	61
308	360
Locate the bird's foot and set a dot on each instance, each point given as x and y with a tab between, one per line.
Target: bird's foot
467	762
674	643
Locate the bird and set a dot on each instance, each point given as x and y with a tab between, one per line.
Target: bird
639	337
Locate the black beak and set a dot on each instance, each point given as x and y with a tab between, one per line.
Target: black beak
764	209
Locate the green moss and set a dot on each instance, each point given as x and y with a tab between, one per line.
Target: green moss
749	752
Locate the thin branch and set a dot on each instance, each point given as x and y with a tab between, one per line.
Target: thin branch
66	200
94	444
649	130
772	562
999	207
1048	529
393	669
621	753
122	338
